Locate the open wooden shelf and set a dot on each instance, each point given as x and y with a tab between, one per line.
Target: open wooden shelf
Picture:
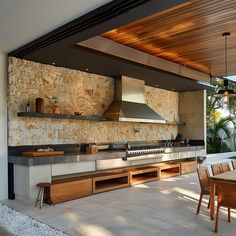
59	116
143	175
167	170
110	182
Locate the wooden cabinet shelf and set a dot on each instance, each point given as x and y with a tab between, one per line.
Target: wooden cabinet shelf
59	116
110	182
72	188
167	170
143	175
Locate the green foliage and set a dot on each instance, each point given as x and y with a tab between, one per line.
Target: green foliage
232	101
219	135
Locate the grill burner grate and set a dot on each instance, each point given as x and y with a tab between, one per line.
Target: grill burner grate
137	151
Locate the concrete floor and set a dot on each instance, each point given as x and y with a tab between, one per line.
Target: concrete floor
165	208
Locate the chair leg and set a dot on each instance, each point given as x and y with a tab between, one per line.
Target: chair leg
41	200
199	204
217	216
229	218
37	200
209	202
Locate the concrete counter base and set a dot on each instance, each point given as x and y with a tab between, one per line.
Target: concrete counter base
26	177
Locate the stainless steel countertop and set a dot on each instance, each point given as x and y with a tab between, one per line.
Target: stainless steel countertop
82	157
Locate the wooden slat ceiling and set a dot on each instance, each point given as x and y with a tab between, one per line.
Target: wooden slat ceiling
190	35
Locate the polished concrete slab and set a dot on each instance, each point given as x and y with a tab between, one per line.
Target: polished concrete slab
166	207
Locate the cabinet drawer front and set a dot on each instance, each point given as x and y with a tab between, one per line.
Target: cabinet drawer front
71	190
188	167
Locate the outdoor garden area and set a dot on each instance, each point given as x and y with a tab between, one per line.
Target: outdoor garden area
221	119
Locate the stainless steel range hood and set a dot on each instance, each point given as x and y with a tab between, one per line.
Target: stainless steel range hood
129	103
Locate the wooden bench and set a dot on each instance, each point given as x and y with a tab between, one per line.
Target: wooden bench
73	188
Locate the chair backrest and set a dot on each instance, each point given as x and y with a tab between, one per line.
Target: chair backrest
234	164
226	194
216	169
225	167
203	176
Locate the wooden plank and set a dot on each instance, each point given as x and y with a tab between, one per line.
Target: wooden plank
164	166
190	35
168	174
142	170
226	176
41	154
61	192
188	167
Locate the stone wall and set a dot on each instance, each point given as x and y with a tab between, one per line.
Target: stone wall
76	91
191	111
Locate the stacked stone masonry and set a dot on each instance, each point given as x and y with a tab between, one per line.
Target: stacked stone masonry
77	91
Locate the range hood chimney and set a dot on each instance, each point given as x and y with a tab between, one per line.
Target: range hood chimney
129	103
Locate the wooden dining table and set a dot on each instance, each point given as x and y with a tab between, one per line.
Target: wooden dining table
229	176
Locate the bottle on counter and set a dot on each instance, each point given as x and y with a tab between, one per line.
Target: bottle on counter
39	105
56	109
28	107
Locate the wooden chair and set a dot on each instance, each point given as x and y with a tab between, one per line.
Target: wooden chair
216	169
225	167
226	198
234	164
203	177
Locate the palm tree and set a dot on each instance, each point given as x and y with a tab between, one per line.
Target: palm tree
219	136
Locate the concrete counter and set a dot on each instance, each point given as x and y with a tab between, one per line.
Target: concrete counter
73	158
28	171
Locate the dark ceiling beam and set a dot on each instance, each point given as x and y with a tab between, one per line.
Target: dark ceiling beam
110	47
112	15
